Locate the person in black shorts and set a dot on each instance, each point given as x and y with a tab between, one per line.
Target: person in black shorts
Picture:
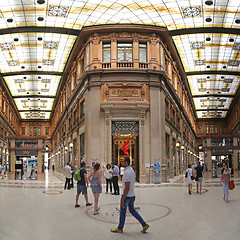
199	176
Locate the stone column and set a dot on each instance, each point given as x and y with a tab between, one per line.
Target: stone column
92	125
113	51
209	159
11	173
135	52
171	155
40	174
107	137
235	158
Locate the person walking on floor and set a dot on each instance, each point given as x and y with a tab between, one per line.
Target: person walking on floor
199	176
128	199
108	176
225	179
122	169
82	185
115	178
72	170
189	178
96	185
67	174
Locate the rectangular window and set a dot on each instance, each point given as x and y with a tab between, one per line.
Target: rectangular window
216	130
30	130
124	52
173	117
223	129
167	146
39	130
207	130
75	117
199	129
166	109
82	149
106	52
47	130
35	130
142	52
23	130
82	105
211	129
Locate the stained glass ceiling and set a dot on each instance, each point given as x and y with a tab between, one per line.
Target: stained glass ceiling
32	61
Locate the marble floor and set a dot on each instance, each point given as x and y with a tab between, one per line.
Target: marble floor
43	210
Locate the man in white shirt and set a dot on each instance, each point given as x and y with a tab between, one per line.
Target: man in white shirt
68	174
128	199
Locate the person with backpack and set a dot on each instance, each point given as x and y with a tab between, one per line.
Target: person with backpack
82	184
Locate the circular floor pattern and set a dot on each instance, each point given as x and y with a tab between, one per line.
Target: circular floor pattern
109	213
53	192
194	191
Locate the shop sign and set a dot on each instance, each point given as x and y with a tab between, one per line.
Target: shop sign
26	152
219	151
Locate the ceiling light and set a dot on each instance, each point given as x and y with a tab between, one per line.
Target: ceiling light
224	67
208	66
22	67
237	21
9	20
40	38
40	19
231	40
40	1
16	39
209	3
208	19
208	39
39	67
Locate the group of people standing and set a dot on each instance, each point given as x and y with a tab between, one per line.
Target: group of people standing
111	175
197	175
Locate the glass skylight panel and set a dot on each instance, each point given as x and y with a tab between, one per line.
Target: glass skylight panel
41	104
35	115
211	114
212	103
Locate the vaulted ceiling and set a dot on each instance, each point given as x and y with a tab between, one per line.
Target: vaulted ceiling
36	38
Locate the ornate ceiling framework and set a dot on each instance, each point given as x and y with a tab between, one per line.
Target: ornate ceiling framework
36	38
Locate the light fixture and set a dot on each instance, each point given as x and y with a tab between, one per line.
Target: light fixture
58	152
3	151
7	152
177	144
182	147
70	145
66	148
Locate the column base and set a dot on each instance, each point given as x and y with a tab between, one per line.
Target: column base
41	176
11	175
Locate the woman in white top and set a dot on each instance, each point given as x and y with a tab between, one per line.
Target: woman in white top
122	170
108	176
189	179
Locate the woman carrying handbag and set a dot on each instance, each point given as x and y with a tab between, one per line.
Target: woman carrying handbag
190	178
225	179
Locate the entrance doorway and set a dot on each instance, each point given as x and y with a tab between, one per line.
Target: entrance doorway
26	167
126	145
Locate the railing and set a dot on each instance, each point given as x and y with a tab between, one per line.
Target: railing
106	65
124	64
143	65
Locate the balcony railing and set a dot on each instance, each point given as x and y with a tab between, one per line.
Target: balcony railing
124	64
143	65
106	65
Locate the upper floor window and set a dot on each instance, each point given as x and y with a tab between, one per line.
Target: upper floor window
199	129
23	130
166	109
35	130
124	52
216	130
47	130
142	52
106	52
39	130
207	130
82	106
31	130
223	129
211	129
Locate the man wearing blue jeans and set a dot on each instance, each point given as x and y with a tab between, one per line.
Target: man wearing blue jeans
128	199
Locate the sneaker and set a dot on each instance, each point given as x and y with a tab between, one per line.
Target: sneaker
96	213
145	228
116	230
88	204
77	205
98	209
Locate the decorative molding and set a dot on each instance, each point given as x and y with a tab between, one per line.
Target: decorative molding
107	116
